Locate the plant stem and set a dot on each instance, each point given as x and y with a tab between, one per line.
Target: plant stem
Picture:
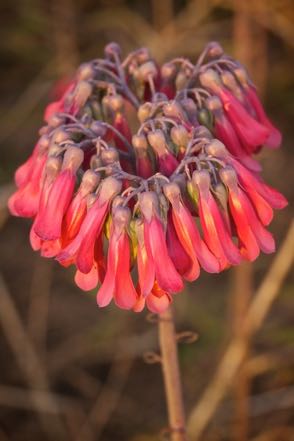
171	375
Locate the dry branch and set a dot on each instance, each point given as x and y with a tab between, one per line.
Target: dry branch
233	357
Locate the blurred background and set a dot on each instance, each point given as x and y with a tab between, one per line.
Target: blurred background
70	371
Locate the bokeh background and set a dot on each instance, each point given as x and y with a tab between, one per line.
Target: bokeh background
70	371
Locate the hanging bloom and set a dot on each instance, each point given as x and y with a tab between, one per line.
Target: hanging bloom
81	249
275	138
251	132
214	229
158	205
154	237
49	223
189	236
118	283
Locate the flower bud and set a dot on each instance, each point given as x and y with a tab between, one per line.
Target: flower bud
181	80
190	108
181	181
228	176
139	142
73	158
241	75
216	148
202	132
90	181
43	143
201	179
109	188
112	49
53	166
149	204
205	117
116	102
193	192
230	82
179	135
215	49
213	103
85	72
121	217
157	140
144	112
147	70
168	71
173	109
60	136
172	191
82	92
210	79
109	156
56	120
95	162
98	128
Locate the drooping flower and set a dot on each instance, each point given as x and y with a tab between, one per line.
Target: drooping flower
138	214
118	283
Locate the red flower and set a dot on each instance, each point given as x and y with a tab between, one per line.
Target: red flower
118	283
189	236
81	249
215	232
49	223
154	237
253	236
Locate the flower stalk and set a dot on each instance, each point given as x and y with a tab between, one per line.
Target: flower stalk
171	375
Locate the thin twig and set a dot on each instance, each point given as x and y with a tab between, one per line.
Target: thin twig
107	399
171	375
27	359
233	357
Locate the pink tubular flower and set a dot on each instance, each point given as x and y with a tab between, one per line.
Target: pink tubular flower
154	237
225	132
214	229
146	268
24	202
178	255
90	280
157	300
189	236
143	163
249	181
251	132
275	137
118	283
48	226
166	160
59	105
77	209
81	249
251	232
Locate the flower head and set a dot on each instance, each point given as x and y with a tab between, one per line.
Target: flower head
138	214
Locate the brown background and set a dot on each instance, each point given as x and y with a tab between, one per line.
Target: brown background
70	371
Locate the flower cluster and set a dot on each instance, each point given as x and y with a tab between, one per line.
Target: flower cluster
140	214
